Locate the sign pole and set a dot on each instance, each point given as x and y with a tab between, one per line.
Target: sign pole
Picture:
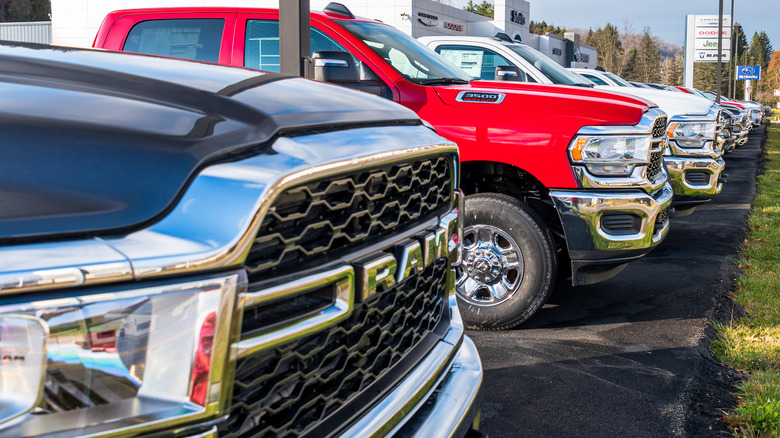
733	91
690	25
720	50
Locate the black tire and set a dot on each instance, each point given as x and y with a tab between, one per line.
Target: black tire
509	264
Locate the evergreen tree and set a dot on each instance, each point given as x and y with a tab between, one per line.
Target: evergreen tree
610	51
676	72
648	59
630	71
484	8
25	10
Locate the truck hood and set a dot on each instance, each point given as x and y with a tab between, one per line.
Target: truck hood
673	104
100	142
593	107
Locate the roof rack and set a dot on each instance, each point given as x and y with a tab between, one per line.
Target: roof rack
338	8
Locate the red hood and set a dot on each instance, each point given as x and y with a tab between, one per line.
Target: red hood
600	107
732	103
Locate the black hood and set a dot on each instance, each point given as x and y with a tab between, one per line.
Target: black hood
100	142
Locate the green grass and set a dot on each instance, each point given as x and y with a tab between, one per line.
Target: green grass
752	344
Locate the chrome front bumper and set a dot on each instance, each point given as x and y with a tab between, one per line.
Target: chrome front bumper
438	399
597	252
689	189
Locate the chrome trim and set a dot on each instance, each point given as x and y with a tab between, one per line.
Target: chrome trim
452	370
455	396
343	277
636	180
645	126
679	166
460	203
707	146
708	149
581	211
60	265
215	222
320	62
211	433
459	97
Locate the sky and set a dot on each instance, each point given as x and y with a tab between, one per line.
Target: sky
666	18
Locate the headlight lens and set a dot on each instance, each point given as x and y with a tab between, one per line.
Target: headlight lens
121	359
611	155
691	134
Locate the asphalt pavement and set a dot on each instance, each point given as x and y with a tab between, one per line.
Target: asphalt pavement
629	357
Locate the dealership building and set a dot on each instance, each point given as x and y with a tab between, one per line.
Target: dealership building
75	23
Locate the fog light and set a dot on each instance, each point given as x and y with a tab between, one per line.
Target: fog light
22	364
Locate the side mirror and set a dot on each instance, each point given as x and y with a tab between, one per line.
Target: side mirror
335	66
509	73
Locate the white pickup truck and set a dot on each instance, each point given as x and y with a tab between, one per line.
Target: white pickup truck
693	157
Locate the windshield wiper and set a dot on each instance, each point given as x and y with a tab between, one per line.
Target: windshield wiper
583	84
442	81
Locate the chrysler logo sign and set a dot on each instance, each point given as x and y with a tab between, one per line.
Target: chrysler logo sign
427	19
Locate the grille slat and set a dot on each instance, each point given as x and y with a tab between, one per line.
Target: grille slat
659	127
288	390
655	165
322	217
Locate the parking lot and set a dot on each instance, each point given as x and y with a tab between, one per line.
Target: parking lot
629	356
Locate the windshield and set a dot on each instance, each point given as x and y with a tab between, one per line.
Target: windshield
554	71
618	80
406	55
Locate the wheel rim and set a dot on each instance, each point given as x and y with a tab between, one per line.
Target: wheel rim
492	267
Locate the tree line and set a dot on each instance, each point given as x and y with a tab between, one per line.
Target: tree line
24	10
645	58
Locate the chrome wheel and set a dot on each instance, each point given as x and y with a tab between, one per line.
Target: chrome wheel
492	267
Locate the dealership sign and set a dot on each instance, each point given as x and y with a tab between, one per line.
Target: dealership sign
703	36
711	44
712	56
749	72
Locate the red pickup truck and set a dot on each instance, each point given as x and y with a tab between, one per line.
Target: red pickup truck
555	176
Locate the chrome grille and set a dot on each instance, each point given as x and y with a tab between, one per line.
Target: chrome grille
300	387
324	218
655	164
659	127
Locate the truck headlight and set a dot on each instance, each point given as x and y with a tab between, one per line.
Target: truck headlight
691	134
123	359
610	155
